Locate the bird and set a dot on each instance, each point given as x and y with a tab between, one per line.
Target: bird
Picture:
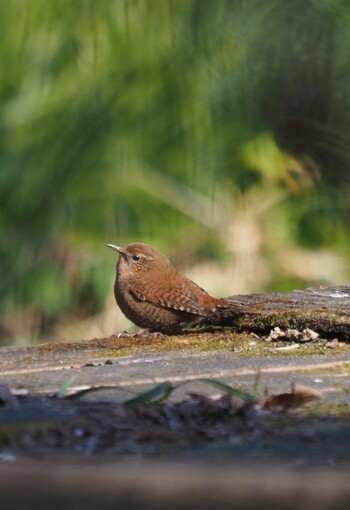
152	294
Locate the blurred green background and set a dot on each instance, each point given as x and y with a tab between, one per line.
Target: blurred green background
218	131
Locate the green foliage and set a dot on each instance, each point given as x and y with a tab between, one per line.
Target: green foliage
158	393
164	121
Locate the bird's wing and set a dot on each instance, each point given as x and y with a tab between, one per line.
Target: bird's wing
181	296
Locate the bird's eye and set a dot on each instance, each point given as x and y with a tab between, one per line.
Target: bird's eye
135	257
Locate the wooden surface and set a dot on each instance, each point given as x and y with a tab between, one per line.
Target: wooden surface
73	454
325	310
44	369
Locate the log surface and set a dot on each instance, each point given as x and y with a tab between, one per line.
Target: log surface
326	310
47	442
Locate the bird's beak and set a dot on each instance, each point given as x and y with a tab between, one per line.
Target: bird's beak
116	248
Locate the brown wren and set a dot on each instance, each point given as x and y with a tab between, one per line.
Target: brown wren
155	296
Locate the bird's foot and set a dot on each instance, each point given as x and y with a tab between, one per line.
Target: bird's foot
148	333
140	332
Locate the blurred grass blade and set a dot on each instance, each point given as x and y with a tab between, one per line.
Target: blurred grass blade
247	397
160	392
95	389
67	383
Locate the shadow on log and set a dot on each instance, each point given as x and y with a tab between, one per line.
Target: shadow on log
325	310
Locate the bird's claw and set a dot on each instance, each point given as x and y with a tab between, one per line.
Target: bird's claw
140	332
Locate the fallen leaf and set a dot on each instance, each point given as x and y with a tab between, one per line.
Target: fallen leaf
298	397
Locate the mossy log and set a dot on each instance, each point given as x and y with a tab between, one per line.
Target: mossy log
325	310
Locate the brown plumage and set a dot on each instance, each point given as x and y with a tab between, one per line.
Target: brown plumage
154	295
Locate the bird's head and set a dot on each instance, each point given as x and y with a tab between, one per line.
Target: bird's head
139	258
